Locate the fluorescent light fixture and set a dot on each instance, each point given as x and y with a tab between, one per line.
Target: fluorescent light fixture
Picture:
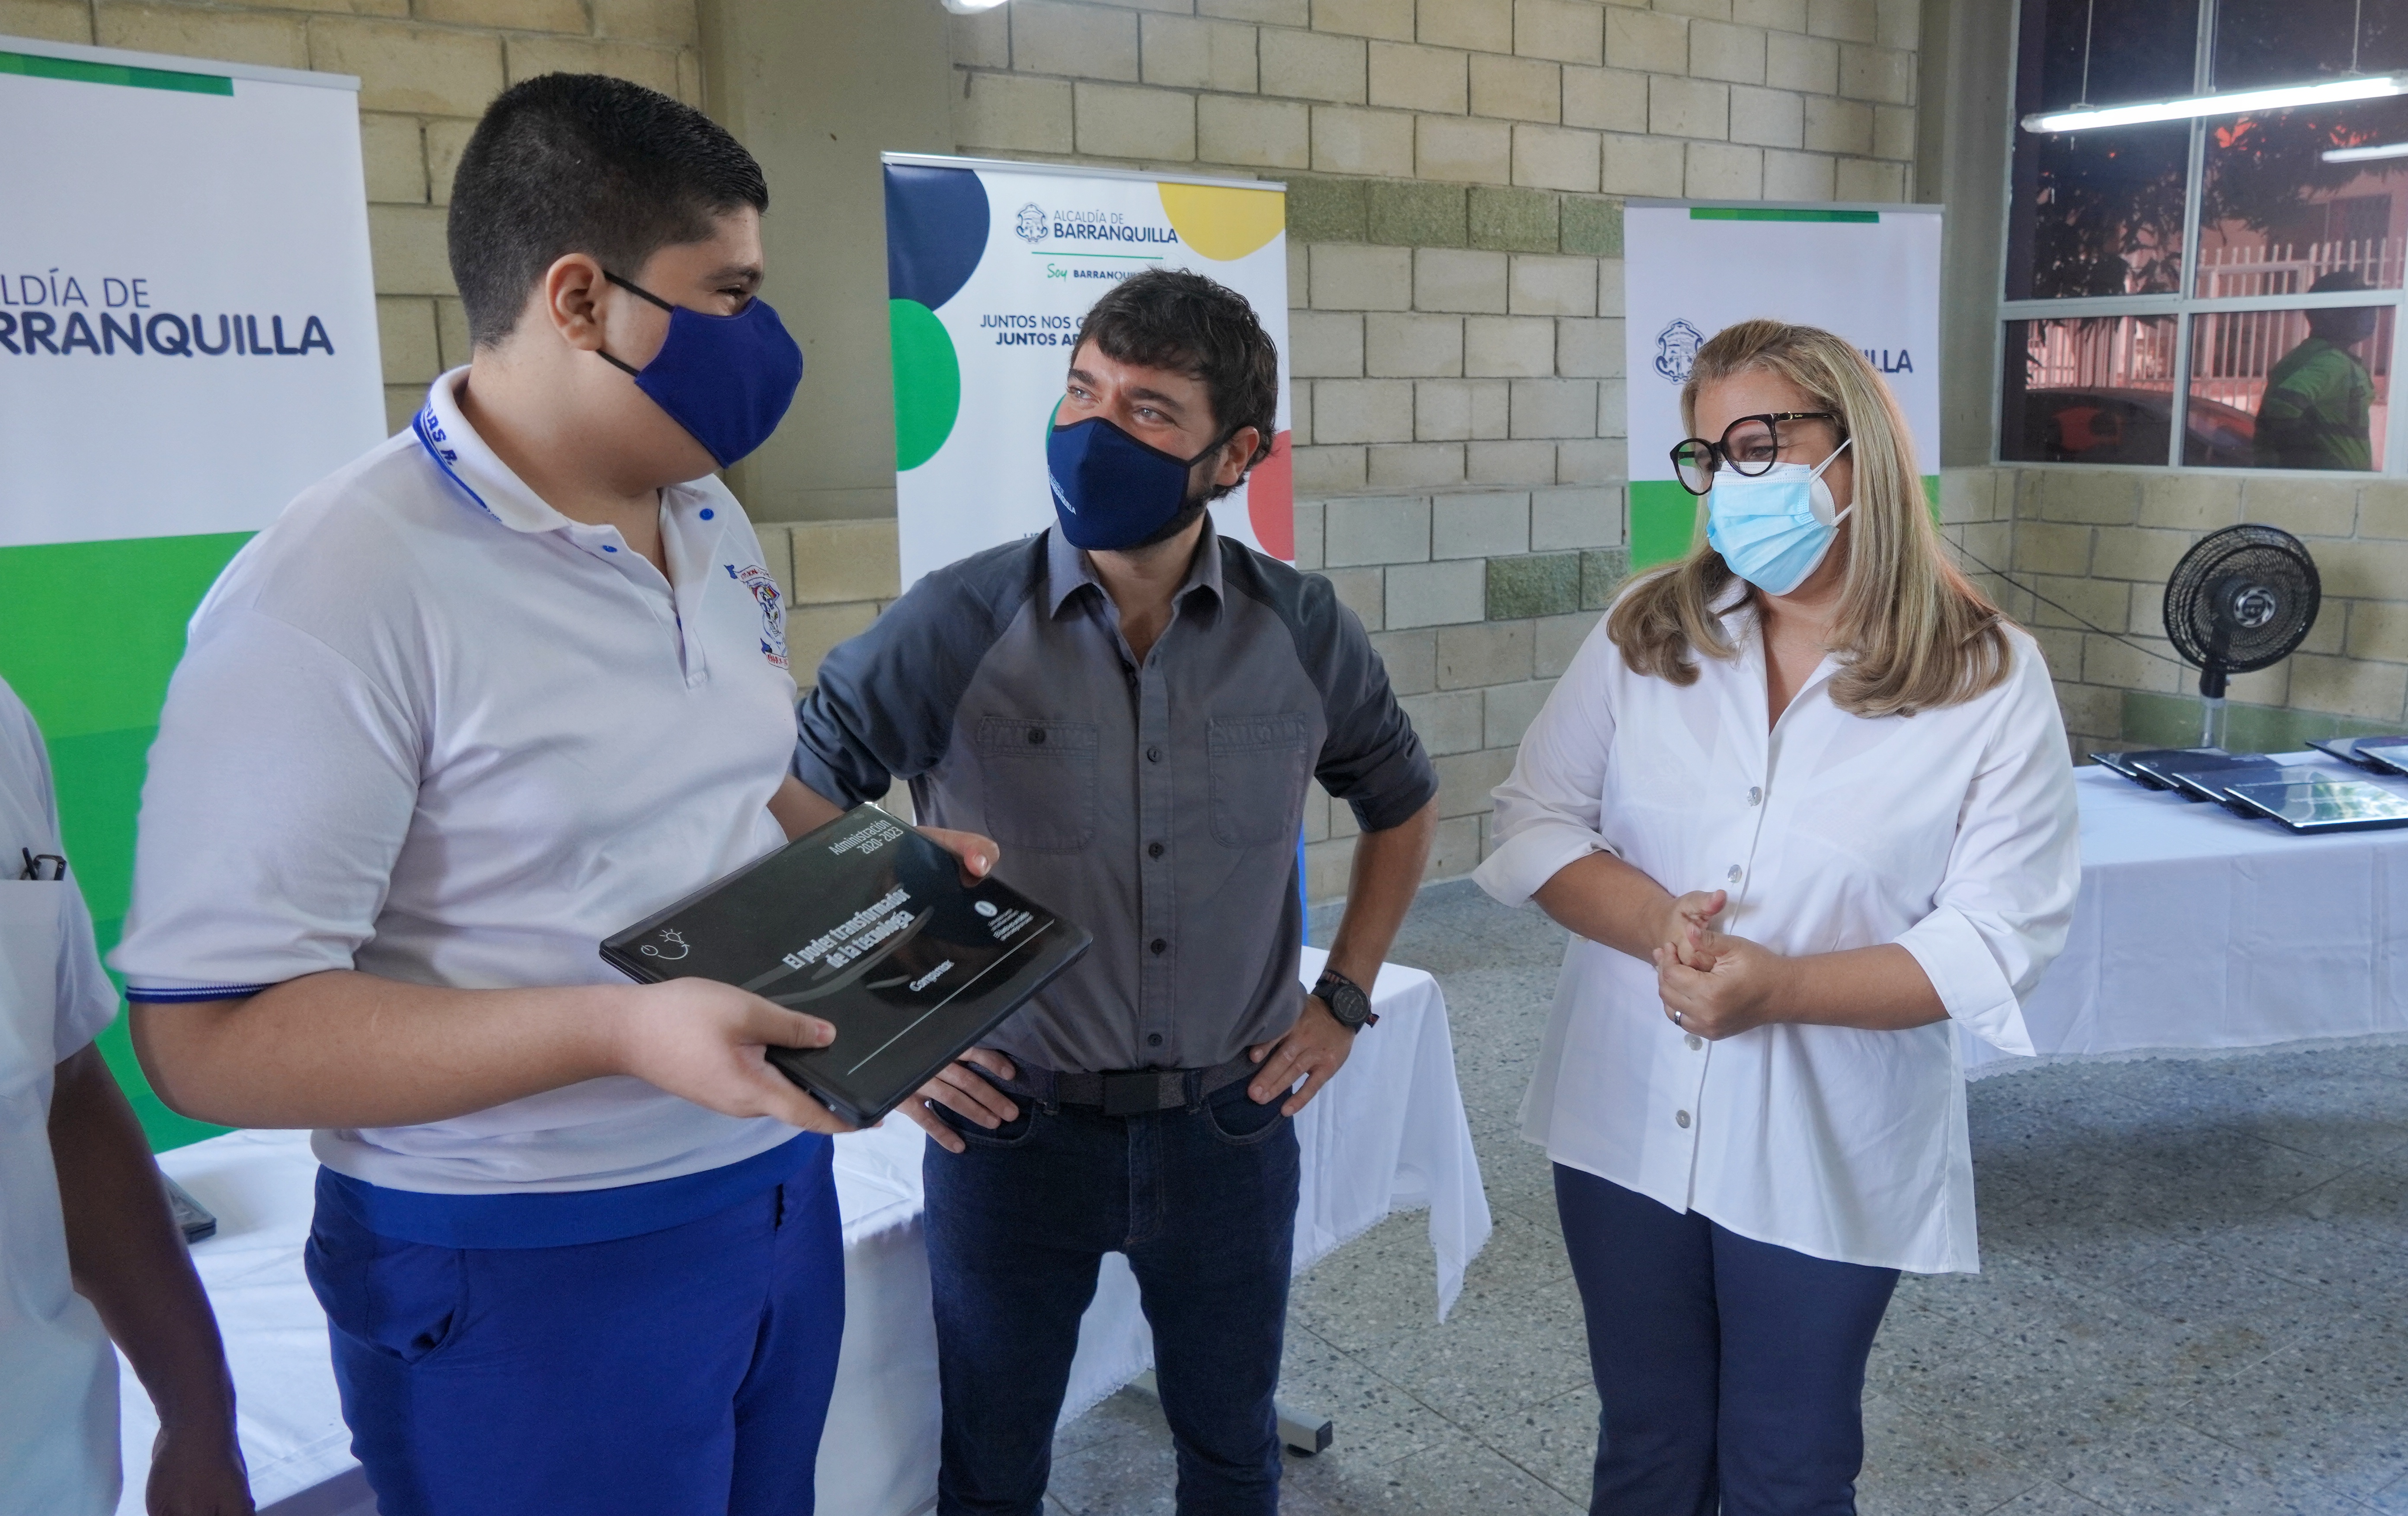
2239	102
2366	154
970	7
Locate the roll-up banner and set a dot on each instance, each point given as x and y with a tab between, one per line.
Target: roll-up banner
188	339
990	267
1870	273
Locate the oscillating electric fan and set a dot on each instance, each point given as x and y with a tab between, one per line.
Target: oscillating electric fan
2241	599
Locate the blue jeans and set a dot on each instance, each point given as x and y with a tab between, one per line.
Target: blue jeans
1730	1373
680	1372
1202	1201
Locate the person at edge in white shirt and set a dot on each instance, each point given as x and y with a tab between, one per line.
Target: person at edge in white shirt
512	681
89	1250
1805	803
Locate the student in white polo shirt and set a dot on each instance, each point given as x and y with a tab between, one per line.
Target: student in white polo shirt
89	1252
504	684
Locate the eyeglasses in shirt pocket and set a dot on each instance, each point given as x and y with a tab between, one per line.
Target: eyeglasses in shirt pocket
1259	769
30	939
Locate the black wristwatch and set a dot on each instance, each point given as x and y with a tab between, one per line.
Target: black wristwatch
1346	999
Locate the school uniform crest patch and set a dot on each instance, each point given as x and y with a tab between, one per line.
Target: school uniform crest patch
773	611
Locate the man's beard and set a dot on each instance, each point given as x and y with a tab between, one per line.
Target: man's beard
1171	528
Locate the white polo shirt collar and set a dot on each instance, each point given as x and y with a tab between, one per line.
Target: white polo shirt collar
692	519
487	483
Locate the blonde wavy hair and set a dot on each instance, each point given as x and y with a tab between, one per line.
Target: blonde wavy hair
1912	634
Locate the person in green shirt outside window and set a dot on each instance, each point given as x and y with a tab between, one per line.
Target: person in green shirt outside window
2314	412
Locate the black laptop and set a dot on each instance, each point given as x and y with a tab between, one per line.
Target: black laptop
2204	776
2325	802
2132	765
867	925
2346	748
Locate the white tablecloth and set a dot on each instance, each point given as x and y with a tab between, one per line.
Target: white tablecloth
2196	930
1388	1133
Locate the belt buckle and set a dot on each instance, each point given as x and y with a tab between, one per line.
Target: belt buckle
1134	1093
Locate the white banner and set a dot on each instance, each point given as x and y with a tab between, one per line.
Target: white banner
990	267
187	314
1870	273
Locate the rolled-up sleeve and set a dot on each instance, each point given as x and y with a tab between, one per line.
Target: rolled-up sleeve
882	707
2000	914
1548	809
1373	759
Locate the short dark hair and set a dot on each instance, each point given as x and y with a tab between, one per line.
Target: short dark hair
1169	318
583	163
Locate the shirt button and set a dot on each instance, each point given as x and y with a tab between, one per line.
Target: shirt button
1694	1041
1159	947
1154	755
1680	1119
1154	850
1755	794
1153	1039
1037	736
1733	874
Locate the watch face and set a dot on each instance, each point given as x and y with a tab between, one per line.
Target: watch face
1349	1005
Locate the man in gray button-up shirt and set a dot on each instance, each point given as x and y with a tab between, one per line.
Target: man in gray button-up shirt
1137	723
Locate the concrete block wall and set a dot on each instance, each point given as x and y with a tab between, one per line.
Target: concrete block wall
427	69
1454	172
1476	602
2101	543
1453	338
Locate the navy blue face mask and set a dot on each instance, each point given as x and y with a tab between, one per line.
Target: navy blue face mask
727	379
1111	491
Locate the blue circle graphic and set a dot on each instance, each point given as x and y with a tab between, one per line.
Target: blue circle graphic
936	232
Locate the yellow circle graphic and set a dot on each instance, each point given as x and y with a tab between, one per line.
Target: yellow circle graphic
1223	224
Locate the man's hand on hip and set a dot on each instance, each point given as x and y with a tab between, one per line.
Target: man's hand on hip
1313	1050
962	1088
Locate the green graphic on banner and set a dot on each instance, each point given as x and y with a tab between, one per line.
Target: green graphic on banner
93	632
1763	213
927	382
1664	518
78	71
1663	522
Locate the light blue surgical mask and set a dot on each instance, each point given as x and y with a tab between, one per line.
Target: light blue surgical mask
1774	529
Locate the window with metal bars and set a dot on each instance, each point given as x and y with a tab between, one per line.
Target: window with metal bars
2221	292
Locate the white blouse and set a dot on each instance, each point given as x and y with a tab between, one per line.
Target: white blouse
1951	833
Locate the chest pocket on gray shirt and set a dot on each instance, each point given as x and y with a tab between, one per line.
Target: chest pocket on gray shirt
1259	769
1040	780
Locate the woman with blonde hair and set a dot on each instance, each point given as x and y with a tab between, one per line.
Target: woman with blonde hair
1804	801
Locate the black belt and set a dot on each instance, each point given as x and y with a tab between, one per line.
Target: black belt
1129	1092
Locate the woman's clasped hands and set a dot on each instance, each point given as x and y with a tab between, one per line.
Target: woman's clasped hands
1713	984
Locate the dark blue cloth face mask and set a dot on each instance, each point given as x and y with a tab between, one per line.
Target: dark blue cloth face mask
1111	491
727	379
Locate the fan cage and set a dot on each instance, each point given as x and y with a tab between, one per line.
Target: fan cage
2224	566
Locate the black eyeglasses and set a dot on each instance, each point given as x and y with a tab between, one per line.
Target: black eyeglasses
1750	445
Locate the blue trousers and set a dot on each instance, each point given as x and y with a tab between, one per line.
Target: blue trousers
1203	1203
1730	1373
680	1372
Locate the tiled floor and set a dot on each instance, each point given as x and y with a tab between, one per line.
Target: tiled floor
2195	1300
